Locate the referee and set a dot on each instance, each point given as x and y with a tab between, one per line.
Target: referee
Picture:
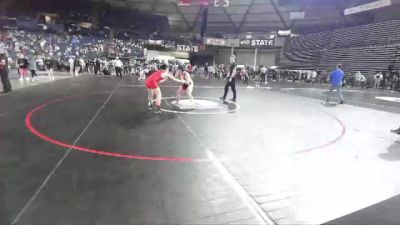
4	71
231	79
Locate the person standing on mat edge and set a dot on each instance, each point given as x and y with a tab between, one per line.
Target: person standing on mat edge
336	79
231	79
33	66
49	64
153	88
118	67
4	71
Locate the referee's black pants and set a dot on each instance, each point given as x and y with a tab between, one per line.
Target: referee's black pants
233	87
5	81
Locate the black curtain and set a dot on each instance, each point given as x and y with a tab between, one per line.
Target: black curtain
204	22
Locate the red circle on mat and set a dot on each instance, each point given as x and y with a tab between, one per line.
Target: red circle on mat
47	138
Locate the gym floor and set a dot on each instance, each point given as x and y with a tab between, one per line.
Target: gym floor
87	150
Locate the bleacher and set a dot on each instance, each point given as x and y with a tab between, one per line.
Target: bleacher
366	48
367	59
304	60
310	41
367	35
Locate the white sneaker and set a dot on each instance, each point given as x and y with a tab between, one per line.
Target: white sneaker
27	79
21	79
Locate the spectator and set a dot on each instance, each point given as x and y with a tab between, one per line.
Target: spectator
71	65
308	75
206	75
97	65
313	77
40	63
33	66
388	83
90	66
48	62
127	67
106	69
395	79
378	78
77	67
357	78
263	74
22	67
82	65
336	79
362	80
211	72
118	67
4	71
245	76
142	74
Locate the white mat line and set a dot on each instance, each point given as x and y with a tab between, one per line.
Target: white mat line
176	86
37	192
251	204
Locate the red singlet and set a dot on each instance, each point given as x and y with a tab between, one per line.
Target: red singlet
154	79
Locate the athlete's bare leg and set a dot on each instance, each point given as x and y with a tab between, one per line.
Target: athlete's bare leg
150	97
179	94
189	91
157	93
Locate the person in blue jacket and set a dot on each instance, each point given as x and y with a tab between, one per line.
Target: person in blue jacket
336	79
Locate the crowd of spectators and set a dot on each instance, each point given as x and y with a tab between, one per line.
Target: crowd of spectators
32	51
380	80
23	45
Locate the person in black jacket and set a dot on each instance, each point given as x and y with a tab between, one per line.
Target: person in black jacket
97	66
49	63
231	79
23	67
4	71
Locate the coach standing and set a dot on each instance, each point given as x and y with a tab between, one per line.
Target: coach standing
4	71
335	80
231	79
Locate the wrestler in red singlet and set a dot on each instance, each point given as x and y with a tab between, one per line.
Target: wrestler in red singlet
154	79
152	84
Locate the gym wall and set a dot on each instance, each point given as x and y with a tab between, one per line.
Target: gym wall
246	56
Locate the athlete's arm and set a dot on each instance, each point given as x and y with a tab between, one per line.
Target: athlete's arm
167	75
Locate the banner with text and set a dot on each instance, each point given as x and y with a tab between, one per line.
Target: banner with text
257	43
182	48
221	3
221	42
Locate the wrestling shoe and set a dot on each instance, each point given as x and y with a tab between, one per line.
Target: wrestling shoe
157	111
